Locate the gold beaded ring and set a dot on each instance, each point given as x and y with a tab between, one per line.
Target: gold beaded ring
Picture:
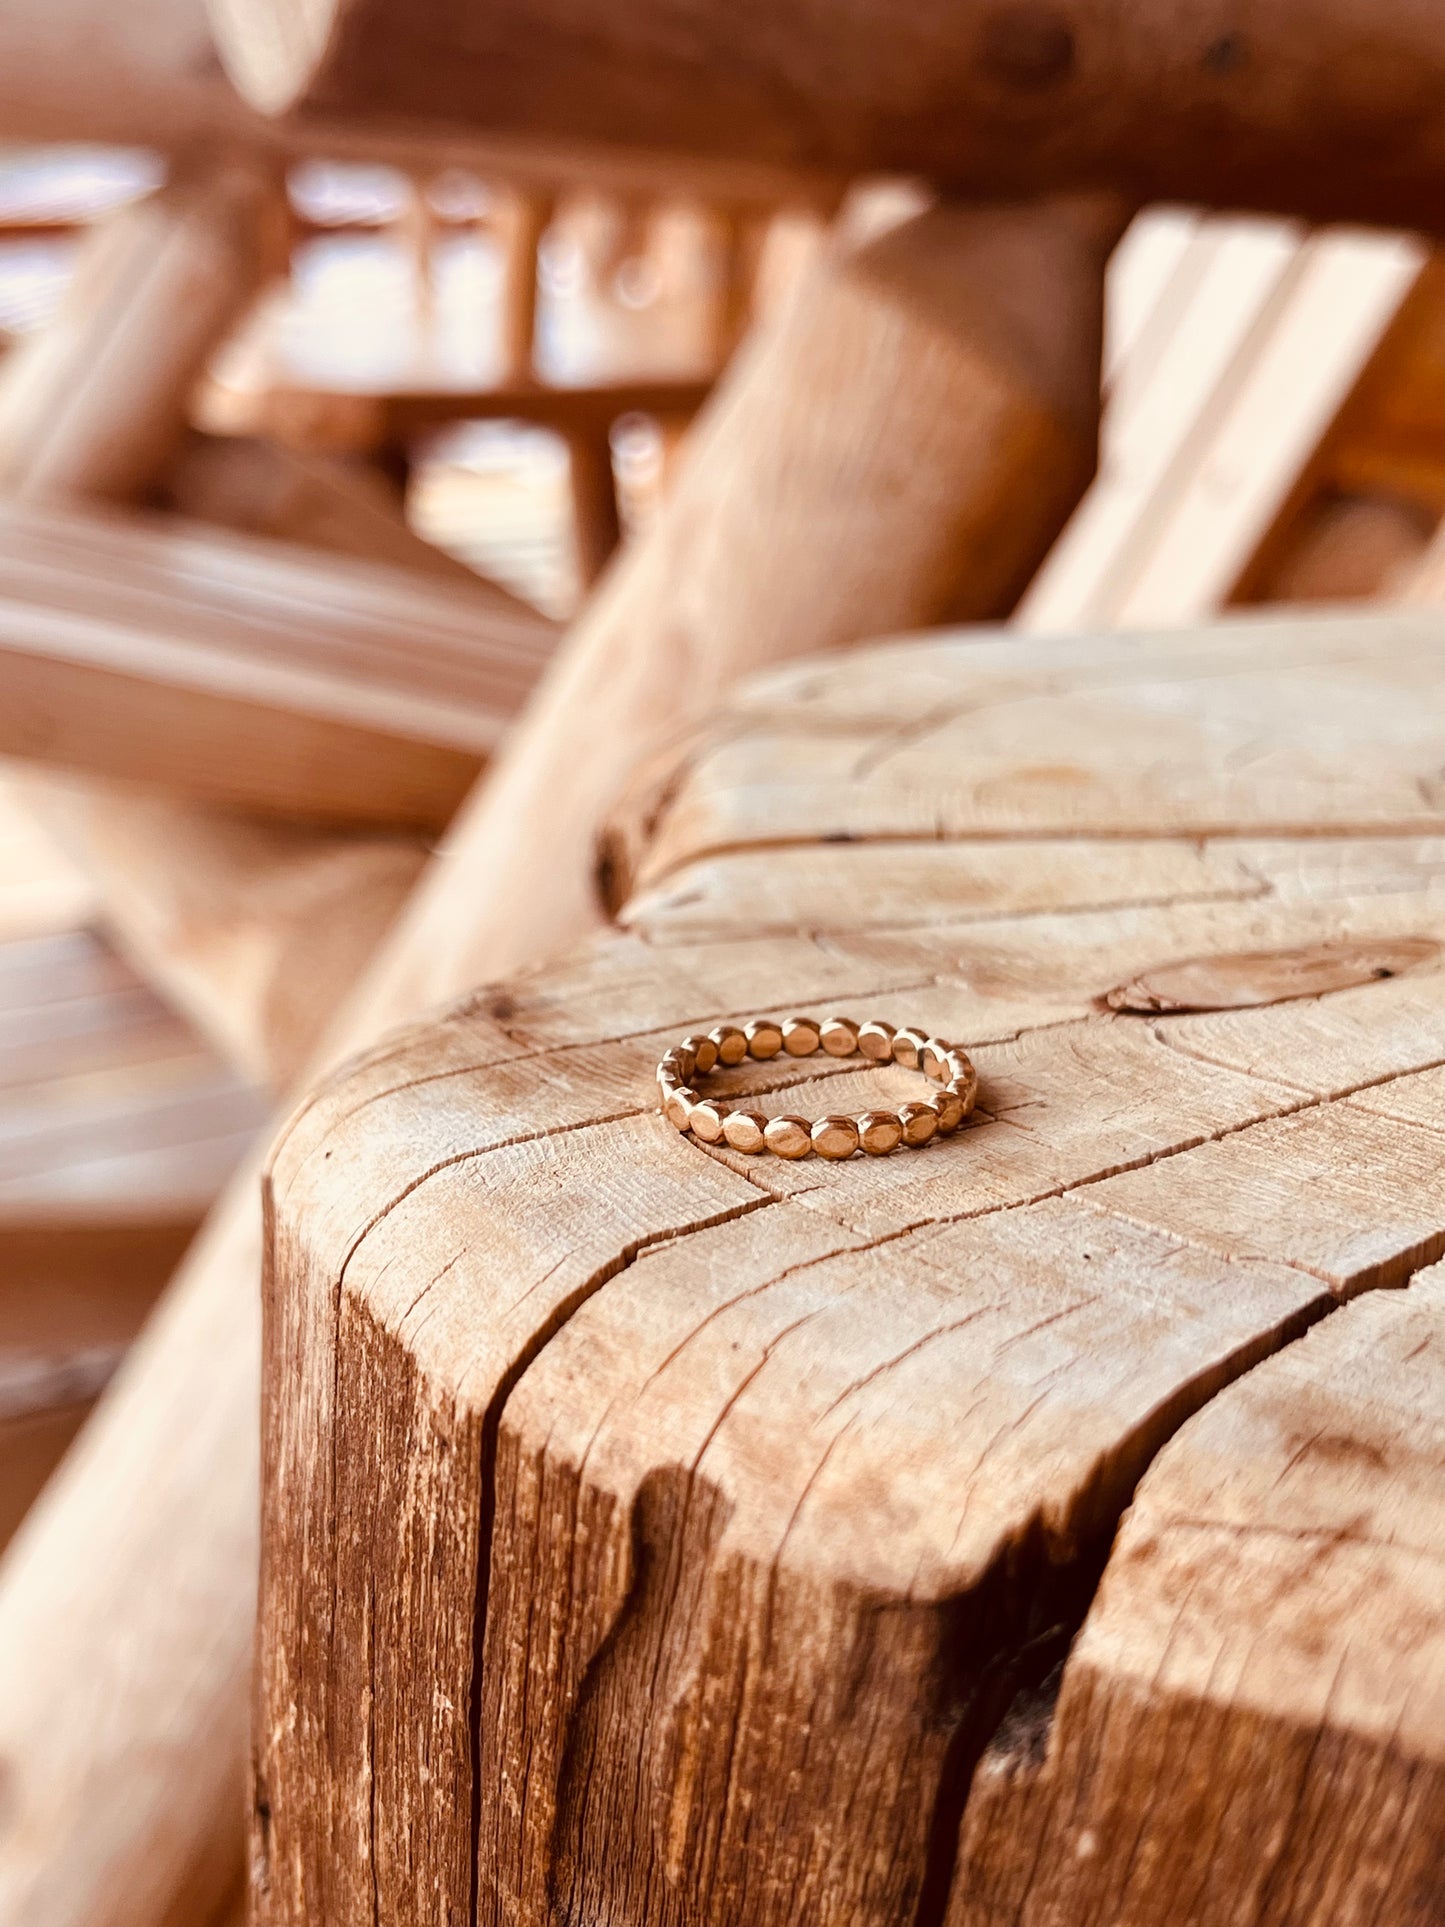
835	1136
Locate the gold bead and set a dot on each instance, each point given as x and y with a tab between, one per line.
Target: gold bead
949	1106
838	1037
965	1083
919	1122
705	1121
933	1059
765	1038
678	1107
800	1036
835	1137
907	1043
879	1132
744	1130
732	1046
875	1040
788	1137
703	1052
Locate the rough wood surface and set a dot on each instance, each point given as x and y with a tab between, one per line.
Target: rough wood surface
969	337
1190	104
248	672
656	1535
1273	1601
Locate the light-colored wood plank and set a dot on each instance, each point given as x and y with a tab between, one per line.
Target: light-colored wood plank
248	672
1164	397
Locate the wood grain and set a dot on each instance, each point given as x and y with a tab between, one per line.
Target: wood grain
1270	1613
655	1534
76	71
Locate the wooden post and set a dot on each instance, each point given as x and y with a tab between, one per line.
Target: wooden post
737	249
655	1533
592	483
1198	104
993	431
527	219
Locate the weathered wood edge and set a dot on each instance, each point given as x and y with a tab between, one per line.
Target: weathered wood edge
471	1049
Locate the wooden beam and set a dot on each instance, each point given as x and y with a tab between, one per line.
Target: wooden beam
73	70
254	928
890	345
117	1127
126	1805
1225	424
248	672
592	487
348	422
1189	106
188	260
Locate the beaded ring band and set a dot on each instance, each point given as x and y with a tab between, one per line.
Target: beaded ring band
835	1136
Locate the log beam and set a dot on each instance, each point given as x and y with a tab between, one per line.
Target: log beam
76	70
995	97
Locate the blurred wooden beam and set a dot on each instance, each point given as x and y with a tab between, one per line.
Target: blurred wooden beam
349	422
1314	108
91	403
320	501
248	672
1256	444
117	1127
252	928
148	76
